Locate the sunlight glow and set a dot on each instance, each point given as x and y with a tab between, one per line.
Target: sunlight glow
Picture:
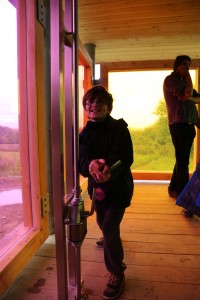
136	95
8	63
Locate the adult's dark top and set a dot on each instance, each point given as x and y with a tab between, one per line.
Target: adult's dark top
110	140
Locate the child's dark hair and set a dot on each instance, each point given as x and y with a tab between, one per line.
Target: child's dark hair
98	92
179	59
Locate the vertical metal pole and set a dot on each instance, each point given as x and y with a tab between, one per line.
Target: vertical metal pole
57	145
91	50
47	79
76	224
76	100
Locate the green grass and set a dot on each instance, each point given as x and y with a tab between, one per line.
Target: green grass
9	161
153	154
161	163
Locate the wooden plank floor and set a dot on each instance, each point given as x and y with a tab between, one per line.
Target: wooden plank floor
162	253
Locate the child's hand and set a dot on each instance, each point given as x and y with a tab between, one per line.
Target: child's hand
99	170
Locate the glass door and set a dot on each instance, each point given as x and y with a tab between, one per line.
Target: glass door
23	175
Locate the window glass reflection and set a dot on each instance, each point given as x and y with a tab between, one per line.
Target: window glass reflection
11	211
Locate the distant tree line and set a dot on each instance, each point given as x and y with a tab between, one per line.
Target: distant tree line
9	135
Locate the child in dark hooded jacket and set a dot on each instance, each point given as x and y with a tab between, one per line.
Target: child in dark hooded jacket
103	142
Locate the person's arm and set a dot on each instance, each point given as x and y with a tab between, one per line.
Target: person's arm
195	99
85	157
189	87
188	81
175	85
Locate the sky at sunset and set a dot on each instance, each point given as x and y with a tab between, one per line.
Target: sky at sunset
137	94
8	65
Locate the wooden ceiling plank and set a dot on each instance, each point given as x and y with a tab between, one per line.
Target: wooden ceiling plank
133	24
159	31
99	11
143	19
133	2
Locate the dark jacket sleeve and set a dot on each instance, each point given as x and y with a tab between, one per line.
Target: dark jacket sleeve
85	157
122	148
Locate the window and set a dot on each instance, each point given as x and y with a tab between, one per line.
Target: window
24	135
11	209
138	98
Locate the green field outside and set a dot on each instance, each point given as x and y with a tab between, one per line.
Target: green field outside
152	153
9	160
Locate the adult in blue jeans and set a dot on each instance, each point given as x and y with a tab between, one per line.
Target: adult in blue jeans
182	118
105	141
